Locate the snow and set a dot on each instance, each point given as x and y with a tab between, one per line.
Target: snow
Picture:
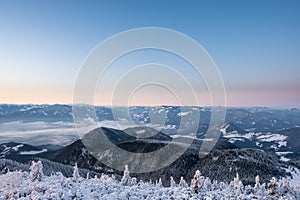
169	126
223	130
183	114
258	144
280	153
140	131
284	159
278	139
272	137
233	140
17	185
33	152
281	143
16	148
7	149
161	111
295	178
191	137
235	136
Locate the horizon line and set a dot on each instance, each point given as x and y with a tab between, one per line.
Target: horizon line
158	105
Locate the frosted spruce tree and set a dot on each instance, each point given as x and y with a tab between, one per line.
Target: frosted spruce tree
272	186
195	183
134	181
159	183
172	182
257	184
207	184
36	171
236	181
283	186
182	183
126	179
75	172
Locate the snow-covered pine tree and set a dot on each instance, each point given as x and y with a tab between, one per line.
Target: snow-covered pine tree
126	179
214	185
133	181
75	172
182	183
36	171
272	186
207	184
236	181
257	184
172	182
159	184
195	185
283	186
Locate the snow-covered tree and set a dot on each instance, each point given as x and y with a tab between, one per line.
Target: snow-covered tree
283	182
17	185
126	179
214	185
36	170
283	186
159	183
207	184
172	182
195	184
182	183
257	184
104	178
134	181
236	181
272	186
75	172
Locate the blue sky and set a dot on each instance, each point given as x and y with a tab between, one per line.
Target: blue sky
255	44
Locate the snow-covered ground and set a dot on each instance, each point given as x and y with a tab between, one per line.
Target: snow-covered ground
19	185
32	152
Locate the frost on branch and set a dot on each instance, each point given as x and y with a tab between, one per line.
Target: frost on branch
126	179
36	170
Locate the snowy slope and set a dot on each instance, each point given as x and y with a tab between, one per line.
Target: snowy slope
17	185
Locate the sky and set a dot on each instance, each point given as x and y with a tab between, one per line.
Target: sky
255	45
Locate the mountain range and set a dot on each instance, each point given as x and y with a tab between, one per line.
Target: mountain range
253	141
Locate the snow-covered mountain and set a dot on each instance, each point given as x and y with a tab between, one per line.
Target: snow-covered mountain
283	142
256	118
222	163
54	123
20	152
275	131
